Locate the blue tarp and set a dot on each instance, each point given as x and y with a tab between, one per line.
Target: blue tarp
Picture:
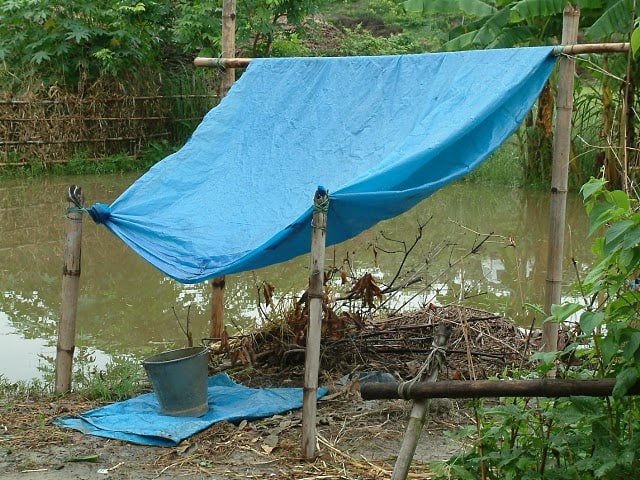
140	420
379	133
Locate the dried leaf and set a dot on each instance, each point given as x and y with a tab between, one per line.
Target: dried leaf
267	292
343	275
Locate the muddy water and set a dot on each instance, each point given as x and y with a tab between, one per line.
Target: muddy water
127	307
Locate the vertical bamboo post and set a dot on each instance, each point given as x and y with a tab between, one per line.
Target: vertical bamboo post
70	289
228	77
228	43
217	308
315	299
560	174
420	407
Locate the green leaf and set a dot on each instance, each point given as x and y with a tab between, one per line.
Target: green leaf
462	42
546	358
561	313
618	229
609	347
624	381
589	321
468	7
616	19
632	238
531	9
620	198
490	31
632	346
40	57
592	187
635	41
600	215
585	4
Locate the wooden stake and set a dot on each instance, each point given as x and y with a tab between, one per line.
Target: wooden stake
217	308
315	299
228	77
546	387
420	407
228	43
559	178
70	289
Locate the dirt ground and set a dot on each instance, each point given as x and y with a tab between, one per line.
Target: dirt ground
356	439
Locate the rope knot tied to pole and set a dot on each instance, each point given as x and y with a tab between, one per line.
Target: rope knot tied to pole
320	204
76	197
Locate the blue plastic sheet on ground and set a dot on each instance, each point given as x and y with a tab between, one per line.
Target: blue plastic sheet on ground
140	420
379	133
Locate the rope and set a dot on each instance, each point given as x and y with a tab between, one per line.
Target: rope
320	205
74	195
437	353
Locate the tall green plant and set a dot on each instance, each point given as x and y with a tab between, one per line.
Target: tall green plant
71	44
577	437
504	23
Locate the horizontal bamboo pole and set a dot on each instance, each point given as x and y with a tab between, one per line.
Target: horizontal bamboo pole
547	387
67	118
560	49
222	62
60	162
92	100
83	140
577	49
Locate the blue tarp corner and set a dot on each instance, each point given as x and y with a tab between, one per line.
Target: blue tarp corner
140	419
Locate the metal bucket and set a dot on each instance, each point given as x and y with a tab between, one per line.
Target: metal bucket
179	379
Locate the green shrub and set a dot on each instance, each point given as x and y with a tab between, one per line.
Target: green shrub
576	437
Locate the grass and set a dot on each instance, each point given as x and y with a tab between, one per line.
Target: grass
120	379
82	164
504	167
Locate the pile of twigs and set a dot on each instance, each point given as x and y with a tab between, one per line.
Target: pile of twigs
481	345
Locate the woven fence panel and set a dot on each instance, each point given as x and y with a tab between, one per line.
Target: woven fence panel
55	130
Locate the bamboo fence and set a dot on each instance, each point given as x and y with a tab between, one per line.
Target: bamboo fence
54	130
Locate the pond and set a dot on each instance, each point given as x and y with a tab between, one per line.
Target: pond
485	246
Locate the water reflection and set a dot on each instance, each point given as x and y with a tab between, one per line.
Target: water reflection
486	245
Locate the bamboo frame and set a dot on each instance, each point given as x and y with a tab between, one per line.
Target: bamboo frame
420	407
564	49
70	289
559	178
315	300
228	48
547	387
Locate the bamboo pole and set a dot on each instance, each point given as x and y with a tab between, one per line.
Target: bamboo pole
217	308
559	177
546	387
228	43
577	49
70	290
222	62
573	49
228	77
315	299
420	407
